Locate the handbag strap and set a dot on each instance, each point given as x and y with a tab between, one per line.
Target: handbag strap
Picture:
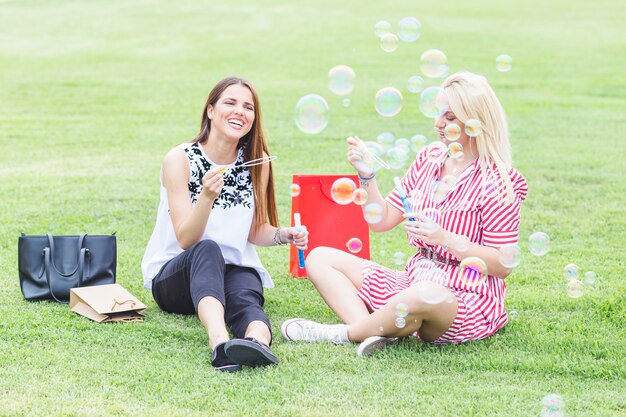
80	268
81	239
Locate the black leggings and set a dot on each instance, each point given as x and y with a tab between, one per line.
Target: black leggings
200	272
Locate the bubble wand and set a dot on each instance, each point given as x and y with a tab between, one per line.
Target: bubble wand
253	162
297	222
405	202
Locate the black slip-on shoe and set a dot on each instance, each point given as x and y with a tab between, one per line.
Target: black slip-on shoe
221	362
249	352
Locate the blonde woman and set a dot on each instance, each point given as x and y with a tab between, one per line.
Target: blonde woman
462	205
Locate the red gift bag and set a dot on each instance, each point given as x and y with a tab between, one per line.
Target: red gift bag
329	223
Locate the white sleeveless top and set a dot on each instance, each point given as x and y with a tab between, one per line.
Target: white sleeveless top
228	225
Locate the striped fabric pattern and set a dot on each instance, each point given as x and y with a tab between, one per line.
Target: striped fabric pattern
473	207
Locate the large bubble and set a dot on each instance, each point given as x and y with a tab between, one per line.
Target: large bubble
311	114
341	80
539	243
434	63
418	142
433	102
510	256
409	29
373	213
397	157
342	191
433	293
388	101
386	139
472	271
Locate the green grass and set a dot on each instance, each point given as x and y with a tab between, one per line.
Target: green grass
92	95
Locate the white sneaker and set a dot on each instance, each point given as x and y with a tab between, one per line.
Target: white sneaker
373	344
304	330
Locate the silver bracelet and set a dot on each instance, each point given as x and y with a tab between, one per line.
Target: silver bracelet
276	238
366	180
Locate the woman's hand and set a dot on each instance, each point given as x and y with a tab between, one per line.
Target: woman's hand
299	239
425	229
212	184
358	156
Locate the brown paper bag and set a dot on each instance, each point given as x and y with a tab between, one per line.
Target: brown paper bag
105	303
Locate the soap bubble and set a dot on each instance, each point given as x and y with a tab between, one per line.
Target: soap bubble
345	102
473	271
473	127
415	84
311	114
418	142
373	213
590	277
386	139
571	271
432	219
389	42
574	288
400	322
341	80
354	245
432	292
388	102
461	243
452	131
539	243
504	63
552	406
342	191
434	63
359	196
397	157
455	150
295	190
409	29
402	310
433	102
381	28
510	256
398	258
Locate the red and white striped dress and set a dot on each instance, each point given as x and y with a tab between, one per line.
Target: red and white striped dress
472	207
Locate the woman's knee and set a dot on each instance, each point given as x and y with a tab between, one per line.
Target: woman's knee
425	299
206	246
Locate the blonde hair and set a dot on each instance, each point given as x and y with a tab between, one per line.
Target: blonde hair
471	97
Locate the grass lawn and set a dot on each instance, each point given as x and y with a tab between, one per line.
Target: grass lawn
94	93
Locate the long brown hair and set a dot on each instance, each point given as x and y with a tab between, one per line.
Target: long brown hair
255	145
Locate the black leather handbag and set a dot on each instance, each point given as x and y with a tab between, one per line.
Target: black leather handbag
50	265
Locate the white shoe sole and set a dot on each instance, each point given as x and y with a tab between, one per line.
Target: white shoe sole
373	344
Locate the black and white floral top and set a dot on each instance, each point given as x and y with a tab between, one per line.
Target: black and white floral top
229	223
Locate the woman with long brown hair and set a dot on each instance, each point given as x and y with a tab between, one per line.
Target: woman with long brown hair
217	202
